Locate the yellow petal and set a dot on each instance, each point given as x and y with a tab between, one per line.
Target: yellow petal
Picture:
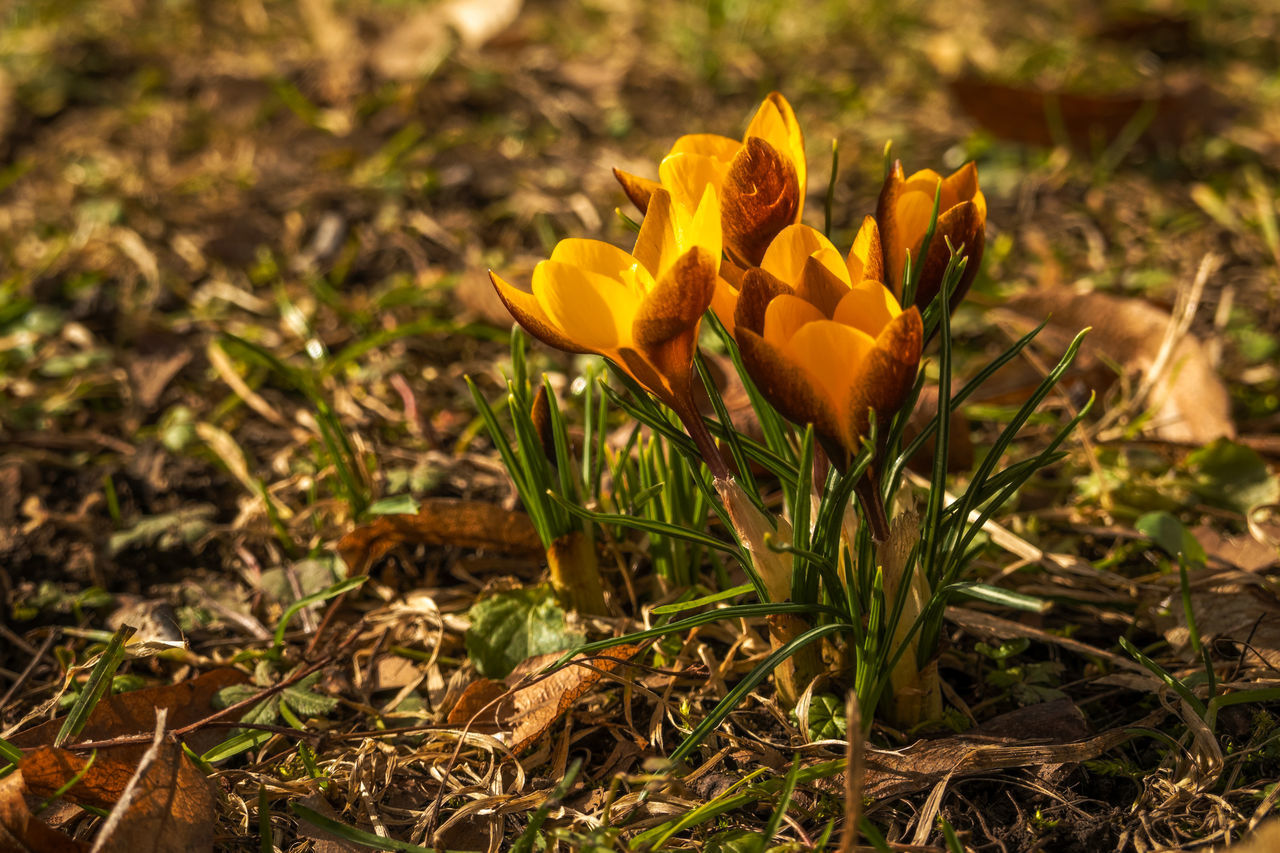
703	230
656	243
784	317
528	313
686	177
869	306
593	311
669	230
724	301
759	288
830	353
786	255
821	287
711	145
593	256
885	377
787	385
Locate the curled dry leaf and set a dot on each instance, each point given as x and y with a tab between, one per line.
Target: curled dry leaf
172	808
531	704
1189	402
441	521
23	832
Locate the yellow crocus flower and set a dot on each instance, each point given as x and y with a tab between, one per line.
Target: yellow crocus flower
903	213
641	309
760	182
825	341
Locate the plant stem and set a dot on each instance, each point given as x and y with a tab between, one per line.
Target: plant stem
868	491
687	412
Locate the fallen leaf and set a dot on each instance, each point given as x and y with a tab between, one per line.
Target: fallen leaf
23	832
172	808
532	704
134	713
1237	550
1240	608
1040	116
441	521
1188	404
893	773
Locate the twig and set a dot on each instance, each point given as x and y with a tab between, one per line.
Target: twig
131	789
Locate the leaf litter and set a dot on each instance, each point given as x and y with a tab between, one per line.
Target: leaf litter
265	172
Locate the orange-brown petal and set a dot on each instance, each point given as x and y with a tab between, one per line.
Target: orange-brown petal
528	313
866	256
962	225
787	386
820	286
884	379
638	189
677	302
758	290
760	197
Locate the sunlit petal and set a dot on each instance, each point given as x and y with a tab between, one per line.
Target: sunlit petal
830	354
784	317
711	145
866	256
775	122
524	307
786	255
593	256
686	177
869	306
593	310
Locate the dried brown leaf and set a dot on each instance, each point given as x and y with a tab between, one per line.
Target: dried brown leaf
441	521
1037	116
1233	607
172	809
893	773
134	713
23	832
1188	404
532	704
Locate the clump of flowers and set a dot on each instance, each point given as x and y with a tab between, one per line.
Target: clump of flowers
829	340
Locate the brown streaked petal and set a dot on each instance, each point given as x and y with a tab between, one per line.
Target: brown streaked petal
868	251
962	184
962	225
648	375
528	313
784	384
677	302
889	236
820	287
758	290
886	376
760	197
638	189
